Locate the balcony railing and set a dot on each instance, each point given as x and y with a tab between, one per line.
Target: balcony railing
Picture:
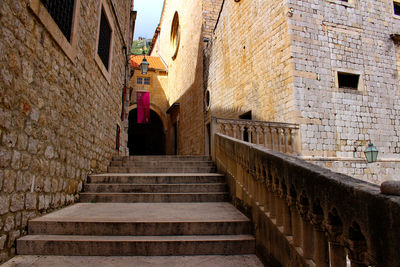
305	215
282	137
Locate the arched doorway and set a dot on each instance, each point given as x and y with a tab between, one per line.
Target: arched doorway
146	139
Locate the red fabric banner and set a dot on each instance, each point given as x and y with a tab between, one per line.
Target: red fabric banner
143	107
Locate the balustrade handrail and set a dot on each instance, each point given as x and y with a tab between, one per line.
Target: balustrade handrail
305	215
278	136
258	123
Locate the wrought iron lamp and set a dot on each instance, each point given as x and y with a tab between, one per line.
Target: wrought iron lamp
144	66
371	153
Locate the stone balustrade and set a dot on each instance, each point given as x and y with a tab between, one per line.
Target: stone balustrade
282	137
305	215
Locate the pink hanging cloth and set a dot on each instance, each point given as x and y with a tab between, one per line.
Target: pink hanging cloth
143	107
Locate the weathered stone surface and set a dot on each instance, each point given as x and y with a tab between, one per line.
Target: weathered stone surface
17	202
9	223
31	201
391	188
3	239
4	203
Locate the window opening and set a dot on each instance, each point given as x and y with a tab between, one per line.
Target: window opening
139	80
396	6
175	35
348	80
62	12
146	81
104	40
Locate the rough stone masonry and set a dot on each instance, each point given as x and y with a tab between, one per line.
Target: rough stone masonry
58	108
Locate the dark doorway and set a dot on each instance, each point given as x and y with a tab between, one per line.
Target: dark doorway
146	139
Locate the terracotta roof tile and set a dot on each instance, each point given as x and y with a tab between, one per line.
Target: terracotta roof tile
154	62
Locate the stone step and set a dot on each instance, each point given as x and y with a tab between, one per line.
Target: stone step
162	164
218	218
161	158
121	228
153	197
135	245
151	178
155	188
172	169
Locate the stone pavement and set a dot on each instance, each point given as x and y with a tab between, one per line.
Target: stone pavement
172	261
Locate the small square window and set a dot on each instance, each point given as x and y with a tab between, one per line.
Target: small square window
348	80
396	8
147	81
104	44
139	80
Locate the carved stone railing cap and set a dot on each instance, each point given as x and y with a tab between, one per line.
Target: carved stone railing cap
259	123
391	188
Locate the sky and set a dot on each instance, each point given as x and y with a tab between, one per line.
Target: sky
148	17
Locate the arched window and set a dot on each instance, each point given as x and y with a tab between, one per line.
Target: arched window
175	35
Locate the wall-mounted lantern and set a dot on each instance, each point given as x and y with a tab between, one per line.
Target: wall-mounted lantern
144	66
371	153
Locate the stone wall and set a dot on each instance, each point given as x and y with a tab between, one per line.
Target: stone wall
250	67
185	85
280	59
58	112
354	37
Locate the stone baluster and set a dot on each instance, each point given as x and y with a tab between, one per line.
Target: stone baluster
307	243
295	220
337	253
293	133
356	247
265	135
286	136
227	129
234	130
321	257
258	134
251	131
273	134
242	129
287	224
279	138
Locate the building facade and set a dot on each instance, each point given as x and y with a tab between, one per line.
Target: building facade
62	78
329	66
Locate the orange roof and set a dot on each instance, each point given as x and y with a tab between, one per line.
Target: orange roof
154	62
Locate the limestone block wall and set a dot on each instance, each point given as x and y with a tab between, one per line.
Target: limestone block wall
185	71
58	113
250	66
354	37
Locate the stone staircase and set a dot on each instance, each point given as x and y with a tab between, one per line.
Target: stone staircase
146	206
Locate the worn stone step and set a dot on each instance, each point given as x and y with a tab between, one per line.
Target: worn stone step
141	261
161	158
151	178
106	228
162	164
135	245
153	197
155	188
209	169
219	218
